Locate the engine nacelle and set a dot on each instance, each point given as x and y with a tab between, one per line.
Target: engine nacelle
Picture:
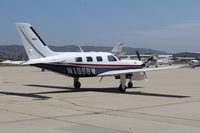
139	76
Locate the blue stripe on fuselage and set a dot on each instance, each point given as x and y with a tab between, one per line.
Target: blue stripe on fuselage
79	71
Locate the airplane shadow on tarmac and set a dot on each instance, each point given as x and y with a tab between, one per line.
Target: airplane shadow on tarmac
61	89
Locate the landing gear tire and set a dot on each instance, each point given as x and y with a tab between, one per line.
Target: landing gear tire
77	84
130	85
122	88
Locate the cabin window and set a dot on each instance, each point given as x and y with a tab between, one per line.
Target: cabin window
89	59
99	58
111	58
78	59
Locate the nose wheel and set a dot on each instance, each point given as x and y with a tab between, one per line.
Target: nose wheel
122	88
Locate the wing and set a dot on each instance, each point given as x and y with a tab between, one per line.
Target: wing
118	72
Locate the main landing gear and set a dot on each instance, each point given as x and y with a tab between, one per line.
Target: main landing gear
122	86
77	84
130	84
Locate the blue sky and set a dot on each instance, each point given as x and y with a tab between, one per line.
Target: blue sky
168	25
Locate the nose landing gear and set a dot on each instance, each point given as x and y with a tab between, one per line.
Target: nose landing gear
122	86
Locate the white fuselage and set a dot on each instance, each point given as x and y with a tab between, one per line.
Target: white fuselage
84	64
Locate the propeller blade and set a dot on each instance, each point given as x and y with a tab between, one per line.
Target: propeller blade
149	59
138	55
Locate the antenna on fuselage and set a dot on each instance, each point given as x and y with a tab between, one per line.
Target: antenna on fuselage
80	49
138	55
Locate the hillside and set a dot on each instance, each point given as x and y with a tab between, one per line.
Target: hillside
17	51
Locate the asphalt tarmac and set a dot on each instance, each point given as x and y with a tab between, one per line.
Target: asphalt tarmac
45	102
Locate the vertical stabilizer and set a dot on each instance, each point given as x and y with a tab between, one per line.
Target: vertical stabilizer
117	49
33	44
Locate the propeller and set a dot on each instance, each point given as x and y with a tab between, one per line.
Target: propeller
139	58
149	59
138	55
145	62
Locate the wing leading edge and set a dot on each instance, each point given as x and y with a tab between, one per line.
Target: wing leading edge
118	72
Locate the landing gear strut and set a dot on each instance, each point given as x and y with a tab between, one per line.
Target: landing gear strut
77	84
122	86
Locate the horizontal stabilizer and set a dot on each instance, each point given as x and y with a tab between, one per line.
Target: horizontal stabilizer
13	62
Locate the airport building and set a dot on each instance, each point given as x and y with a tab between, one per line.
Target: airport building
186	54
146	56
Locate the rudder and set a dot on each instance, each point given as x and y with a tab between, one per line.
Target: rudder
33	44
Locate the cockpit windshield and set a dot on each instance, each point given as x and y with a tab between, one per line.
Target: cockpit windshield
111	58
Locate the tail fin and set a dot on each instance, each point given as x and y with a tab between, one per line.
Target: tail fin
33	44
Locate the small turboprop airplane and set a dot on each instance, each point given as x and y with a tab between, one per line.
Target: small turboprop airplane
81	64
190	60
